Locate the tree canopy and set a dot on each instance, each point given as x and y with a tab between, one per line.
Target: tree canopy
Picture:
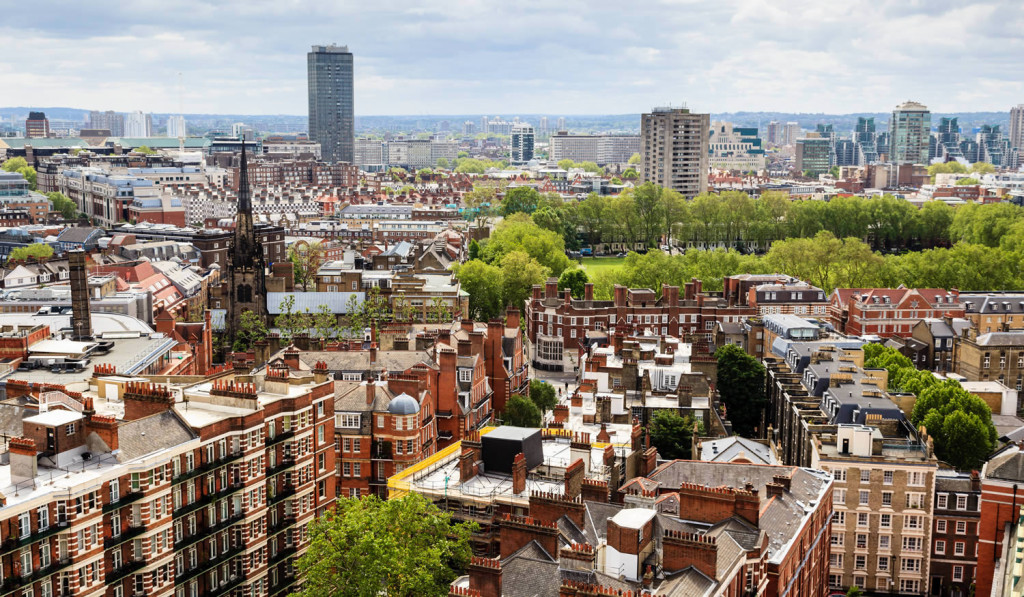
574	280
959	422
741	387
521	412
484	283
368	546
60	202
672	435
543	395
33	252
251	329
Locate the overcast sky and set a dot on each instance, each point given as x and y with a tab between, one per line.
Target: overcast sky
518	57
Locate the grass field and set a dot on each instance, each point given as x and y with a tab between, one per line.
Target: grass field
595	264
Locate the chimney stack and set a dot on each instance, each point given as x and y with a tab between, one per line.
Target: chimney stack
22	451
81	321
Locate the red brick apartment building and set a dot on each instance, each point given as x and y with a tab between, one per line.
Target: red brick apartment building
890	312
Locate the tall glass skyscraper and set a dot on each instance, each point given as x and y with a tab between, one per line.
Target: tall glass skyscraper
331	109
909	133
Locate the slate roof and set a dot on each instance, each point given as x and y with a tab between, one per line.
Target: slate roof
1015	338
729	448
151	434
1008	466
359	360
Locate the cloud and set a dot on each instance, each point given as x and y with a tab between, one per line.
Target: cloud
532	56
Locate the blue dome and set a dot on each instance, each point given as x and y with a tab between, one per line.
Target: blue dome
404	404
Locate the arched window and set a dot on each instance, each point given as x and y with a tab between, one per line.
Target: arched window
244	294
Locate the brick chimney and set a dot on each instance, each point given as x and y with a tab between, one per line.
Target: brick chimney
551	289
577	556
574	479
681	550
588	291
519	473
975	481
549	507
320	372
142	399
512	317
371	391
105	428
517	531
468	463
464	347
485	575
476	342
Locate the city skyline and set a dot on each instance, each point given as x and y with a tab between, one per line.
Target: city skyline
455	57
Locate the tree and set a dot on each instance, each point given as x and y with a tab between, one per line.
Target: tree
474	250
854	591
834	172
462	154
970	180
15	164
543	395
634	159
630	174
484	284
741	387
672	435
575	280
438	312
520	233
521	412
144	149
355	326
33	252
520	199
306	260
521	272
364	547
291	322
959	422
251	329
982	168
60	202
566	164
20	166
325	323
442	163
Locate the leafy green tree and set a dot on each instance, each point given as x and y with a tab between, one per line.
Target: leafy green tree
20	166
306	260
520	233
63	204
959	422
462	154
484	284
672	435
630	174
145	150
634	159
575	280
291	322
325	323
547	218
521	412
970	180
438	312
543	395
33	252
982	168
590	167
615	180
648	204
946	168
520	199
521	272
365	547
854	591
741	387
355	324
251	329
566	164
474	250
442	163
14	164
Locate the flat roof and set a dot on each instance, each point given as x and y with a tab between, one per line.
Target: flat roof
633	518
54	418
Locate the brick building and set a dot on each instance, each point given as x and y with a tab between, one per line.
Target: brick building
890	312
1001	499
993	356
954	548
559	326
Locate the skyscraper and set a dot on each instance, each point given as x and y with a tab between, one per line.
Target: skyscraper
137	124
484	121
522	143
247	289
36	125
947	144
909	131
774	133
176	126
674	149
561	123
109	120
791	133
867	142
331	107
1017	127
542	130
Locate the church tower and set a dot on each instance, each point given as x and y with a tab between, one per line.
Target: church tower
247	288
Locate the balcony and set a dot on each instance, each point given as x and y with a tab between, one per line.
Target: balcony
209	466
284	553
124	570
227	587
273	441
206	565
13	543
281	524
280	495
126	535
286	463
126	499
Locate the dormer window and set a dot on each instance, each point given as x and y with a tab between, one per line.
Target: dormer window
465	375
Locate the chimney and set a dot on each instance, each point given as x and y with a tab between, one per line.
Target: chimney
142	399
22	451
512	317
681	550
975	481
616	343
670	294
464	347
577	556
371	391
291	357
574	479
519	474
537	292
476	342
588	291
373	353
468	463
81	321
620	293
485	575
105	428
320	372
551	289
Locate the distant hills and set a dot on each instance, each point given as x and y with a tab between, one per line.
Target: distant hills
581	123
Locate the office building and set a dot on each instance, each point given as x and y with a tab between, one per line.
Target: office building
674	152
109	120
522	143
947	139
909	130
773	134
864	137
561	123
176	126
37	126
845	153
1017	127
468	128
542	129
813	156
735	148
331	106
137	124
994	147
368	152
600	149
483	124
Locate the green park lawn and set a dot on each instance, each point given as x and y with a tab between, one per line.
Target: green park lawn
595	264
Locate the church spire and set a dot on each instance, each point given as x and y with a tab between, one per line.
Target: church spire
244	198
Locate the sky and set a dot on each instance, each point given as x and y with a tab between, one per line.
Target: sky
523	57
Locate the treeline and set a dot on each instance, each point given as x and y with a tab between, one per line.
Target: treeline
650	215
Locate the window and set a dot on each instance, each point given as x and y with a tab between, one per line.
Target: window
839	474
912	522
961	502
887	498
884	541
915	478
958	573
380	421
940	526
860	562
941	500
838	539
839	496
862	519
910	586
44	518
885	521
862	541
915	500
940	547
958	548
465	375
883	563
912	544
864	497
24	524
70	429
887	477
835	560
347	421
839	518
961	527
865	475
910	565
